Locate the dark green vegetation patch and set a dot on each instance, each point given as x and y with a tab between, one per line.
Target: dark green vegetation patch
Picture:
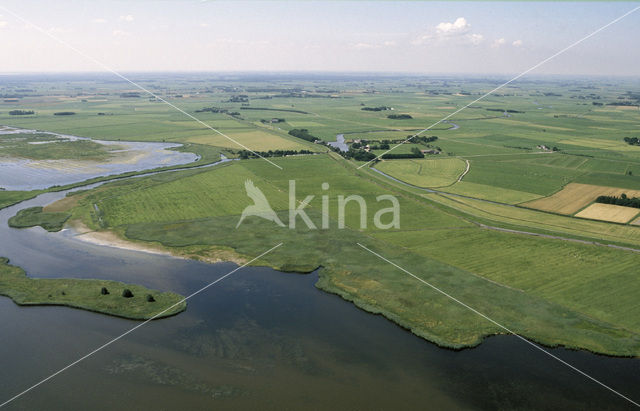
93	295
34	216
43	146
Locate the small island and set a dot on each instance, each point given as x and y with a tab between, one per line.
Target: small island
102	296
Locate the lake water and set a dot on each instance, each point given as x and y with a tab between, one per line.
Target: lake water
339	143
260	339
26	174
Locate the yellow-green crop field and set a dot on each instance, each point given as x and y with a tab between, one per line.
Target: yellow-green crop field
575	196
609	212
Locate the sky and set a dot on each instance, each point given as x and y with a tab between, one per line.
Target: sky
361	36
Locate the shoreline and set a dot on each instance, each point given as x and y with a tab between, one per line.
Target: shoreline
324	285
108	238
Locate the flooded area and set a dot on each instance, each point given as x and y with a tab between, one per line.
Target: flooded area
28	174
339	143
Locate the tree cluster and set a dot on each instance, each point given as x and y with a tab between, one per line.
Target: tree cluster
288	110
623	200
303	133
423	139
359	155
245	154
21	112
415	153
241	98
212	110
381	108
502	110
399	116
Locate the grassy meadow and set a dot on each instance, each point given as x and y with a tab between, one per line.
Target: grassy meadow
425	172
445	249
531	149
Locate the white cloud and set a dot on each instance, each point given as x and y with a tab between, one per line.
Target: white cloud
459	26
363	46
517	43
447	30
204	24
369	46
475	38
120	33
3	24
498	43
128	18
99	21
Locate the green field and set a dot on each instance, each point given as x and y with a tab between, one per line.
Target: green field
425	172
431	242
556	287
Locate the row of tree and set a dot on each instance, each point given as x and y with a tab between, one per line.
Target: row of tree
502	110
399	116
245	154
303	133
381	108
415	153
623	200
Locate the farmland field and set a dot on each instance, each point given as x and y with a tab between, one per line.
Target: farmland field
576	196
423	172
609	212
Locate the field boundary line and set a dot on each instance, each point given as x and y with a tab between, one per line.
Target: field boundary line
501	326
508	82
108	343
138	86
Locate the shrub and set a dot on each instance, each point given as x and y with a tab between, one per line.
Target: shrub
399	116
303	133
127	293
150	298
104	291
